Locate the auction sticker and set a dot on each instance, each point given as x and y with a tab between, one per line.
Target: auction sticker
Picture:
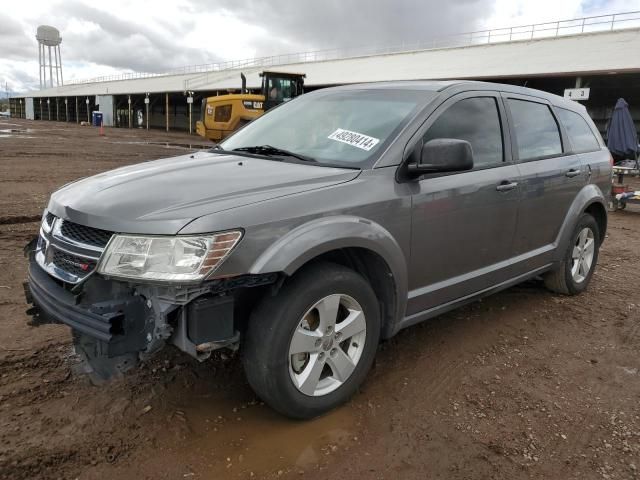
355	139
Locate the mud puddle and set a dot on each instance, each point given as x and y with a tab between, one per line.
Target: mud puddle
260	441
213	435
15	132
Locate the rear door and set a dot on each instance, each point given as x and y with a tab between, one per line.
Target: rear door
463	223
551	175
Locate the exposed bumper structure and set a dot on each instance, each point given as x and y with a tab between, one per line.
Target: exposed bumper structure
115	324
61	306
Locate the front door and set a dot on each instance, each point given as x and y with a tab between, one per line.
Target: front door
463	223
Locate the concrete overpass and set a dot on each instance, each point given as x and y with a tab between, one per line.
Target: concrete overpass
605	60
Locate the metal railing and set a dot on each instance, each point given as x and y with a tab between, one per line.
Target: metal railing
558	28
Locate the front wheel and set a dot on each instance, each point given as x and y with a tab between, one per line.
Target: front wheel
308	348
576	269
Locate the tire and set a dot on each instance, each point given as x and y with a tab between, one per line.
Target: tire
280	323
565	279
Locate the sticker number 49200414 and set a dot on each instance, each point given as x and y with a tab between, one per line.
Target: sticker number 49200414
355	139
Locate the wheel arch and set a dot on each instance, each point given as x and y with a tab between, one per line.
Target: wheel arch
598	211
357	243
589	200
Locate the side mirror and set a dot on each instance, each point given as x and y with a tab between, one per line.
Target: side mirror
443	155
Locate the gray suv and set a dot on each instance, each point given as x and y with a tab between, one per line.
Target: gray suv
324	226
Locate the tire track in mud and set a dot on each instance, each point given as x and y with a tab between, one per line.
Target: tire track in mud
19	219
584	440
53	462
34	377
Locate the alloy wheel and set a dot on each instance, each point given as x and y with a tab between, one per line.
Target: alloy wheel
327	344
582	255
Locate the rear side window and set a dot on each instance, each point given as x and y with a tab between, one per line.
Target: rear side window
536	130
581	136
477	121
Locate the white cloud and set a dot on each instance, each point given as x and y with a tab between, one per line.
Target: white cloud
508	13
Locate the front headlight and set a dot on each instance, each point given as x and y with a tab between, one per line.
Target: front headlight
179	258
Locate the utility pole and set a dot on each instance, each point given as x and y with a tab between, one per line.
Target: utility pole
146	104
190	103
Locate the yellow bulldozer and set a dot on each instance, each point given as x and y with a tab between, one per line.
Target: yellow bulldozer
224	114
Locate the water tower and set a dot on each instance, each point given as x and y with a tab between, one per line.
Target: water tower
48	38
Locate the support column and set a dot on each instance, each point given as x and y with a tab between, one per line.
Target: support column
66	109
60	58
129	104
50	69
40	62
578	82
77	116
55	54
57	111
166	109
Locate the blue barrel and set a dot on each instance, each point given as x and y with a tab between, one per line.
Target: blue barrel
96	119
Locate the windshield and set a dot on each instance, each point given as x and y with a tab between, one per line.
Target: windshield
340	128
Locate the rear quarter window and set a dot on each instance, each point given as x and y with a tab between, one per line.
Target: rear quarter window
537	133
580	134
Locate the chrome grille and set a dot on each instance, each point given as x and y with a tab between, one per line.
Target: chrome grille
69	251
87	235
73	264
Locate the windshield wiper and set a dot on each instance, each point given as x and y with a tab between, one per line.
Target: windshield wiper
269	150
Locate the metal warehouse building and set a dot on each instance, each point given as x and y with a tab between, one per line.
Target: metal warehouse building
598	53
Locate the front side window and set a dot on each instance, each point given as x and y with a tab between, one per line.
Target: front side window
338	127
536	130
581	136
477	121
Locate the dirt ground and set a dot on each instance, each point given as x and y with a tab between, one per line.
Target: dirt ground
524	384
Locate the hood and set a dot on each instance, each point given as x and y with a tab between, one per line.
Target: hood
162	196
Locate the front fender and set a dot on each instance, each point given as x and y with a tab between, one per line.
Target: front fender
323	235
589	195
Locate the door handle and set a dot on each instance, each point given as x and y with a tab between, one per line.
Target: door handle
573	173
506	186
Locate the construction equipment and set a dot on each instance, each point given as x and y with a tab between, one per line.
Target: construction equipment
224	114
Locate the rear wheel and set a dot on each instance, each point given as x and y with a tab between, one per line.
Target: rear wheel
309	348
576	269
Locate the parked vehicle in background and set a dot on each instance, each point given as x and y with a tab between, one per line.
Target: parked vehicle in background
333	221
224	114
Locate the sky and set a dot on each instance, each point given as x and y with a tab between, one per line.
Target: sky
119	36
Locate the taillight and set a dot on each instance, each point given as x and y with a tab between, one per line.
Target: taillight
611	160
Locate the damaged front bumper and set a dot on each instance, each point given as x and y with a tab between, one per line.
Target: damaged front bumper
116	323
